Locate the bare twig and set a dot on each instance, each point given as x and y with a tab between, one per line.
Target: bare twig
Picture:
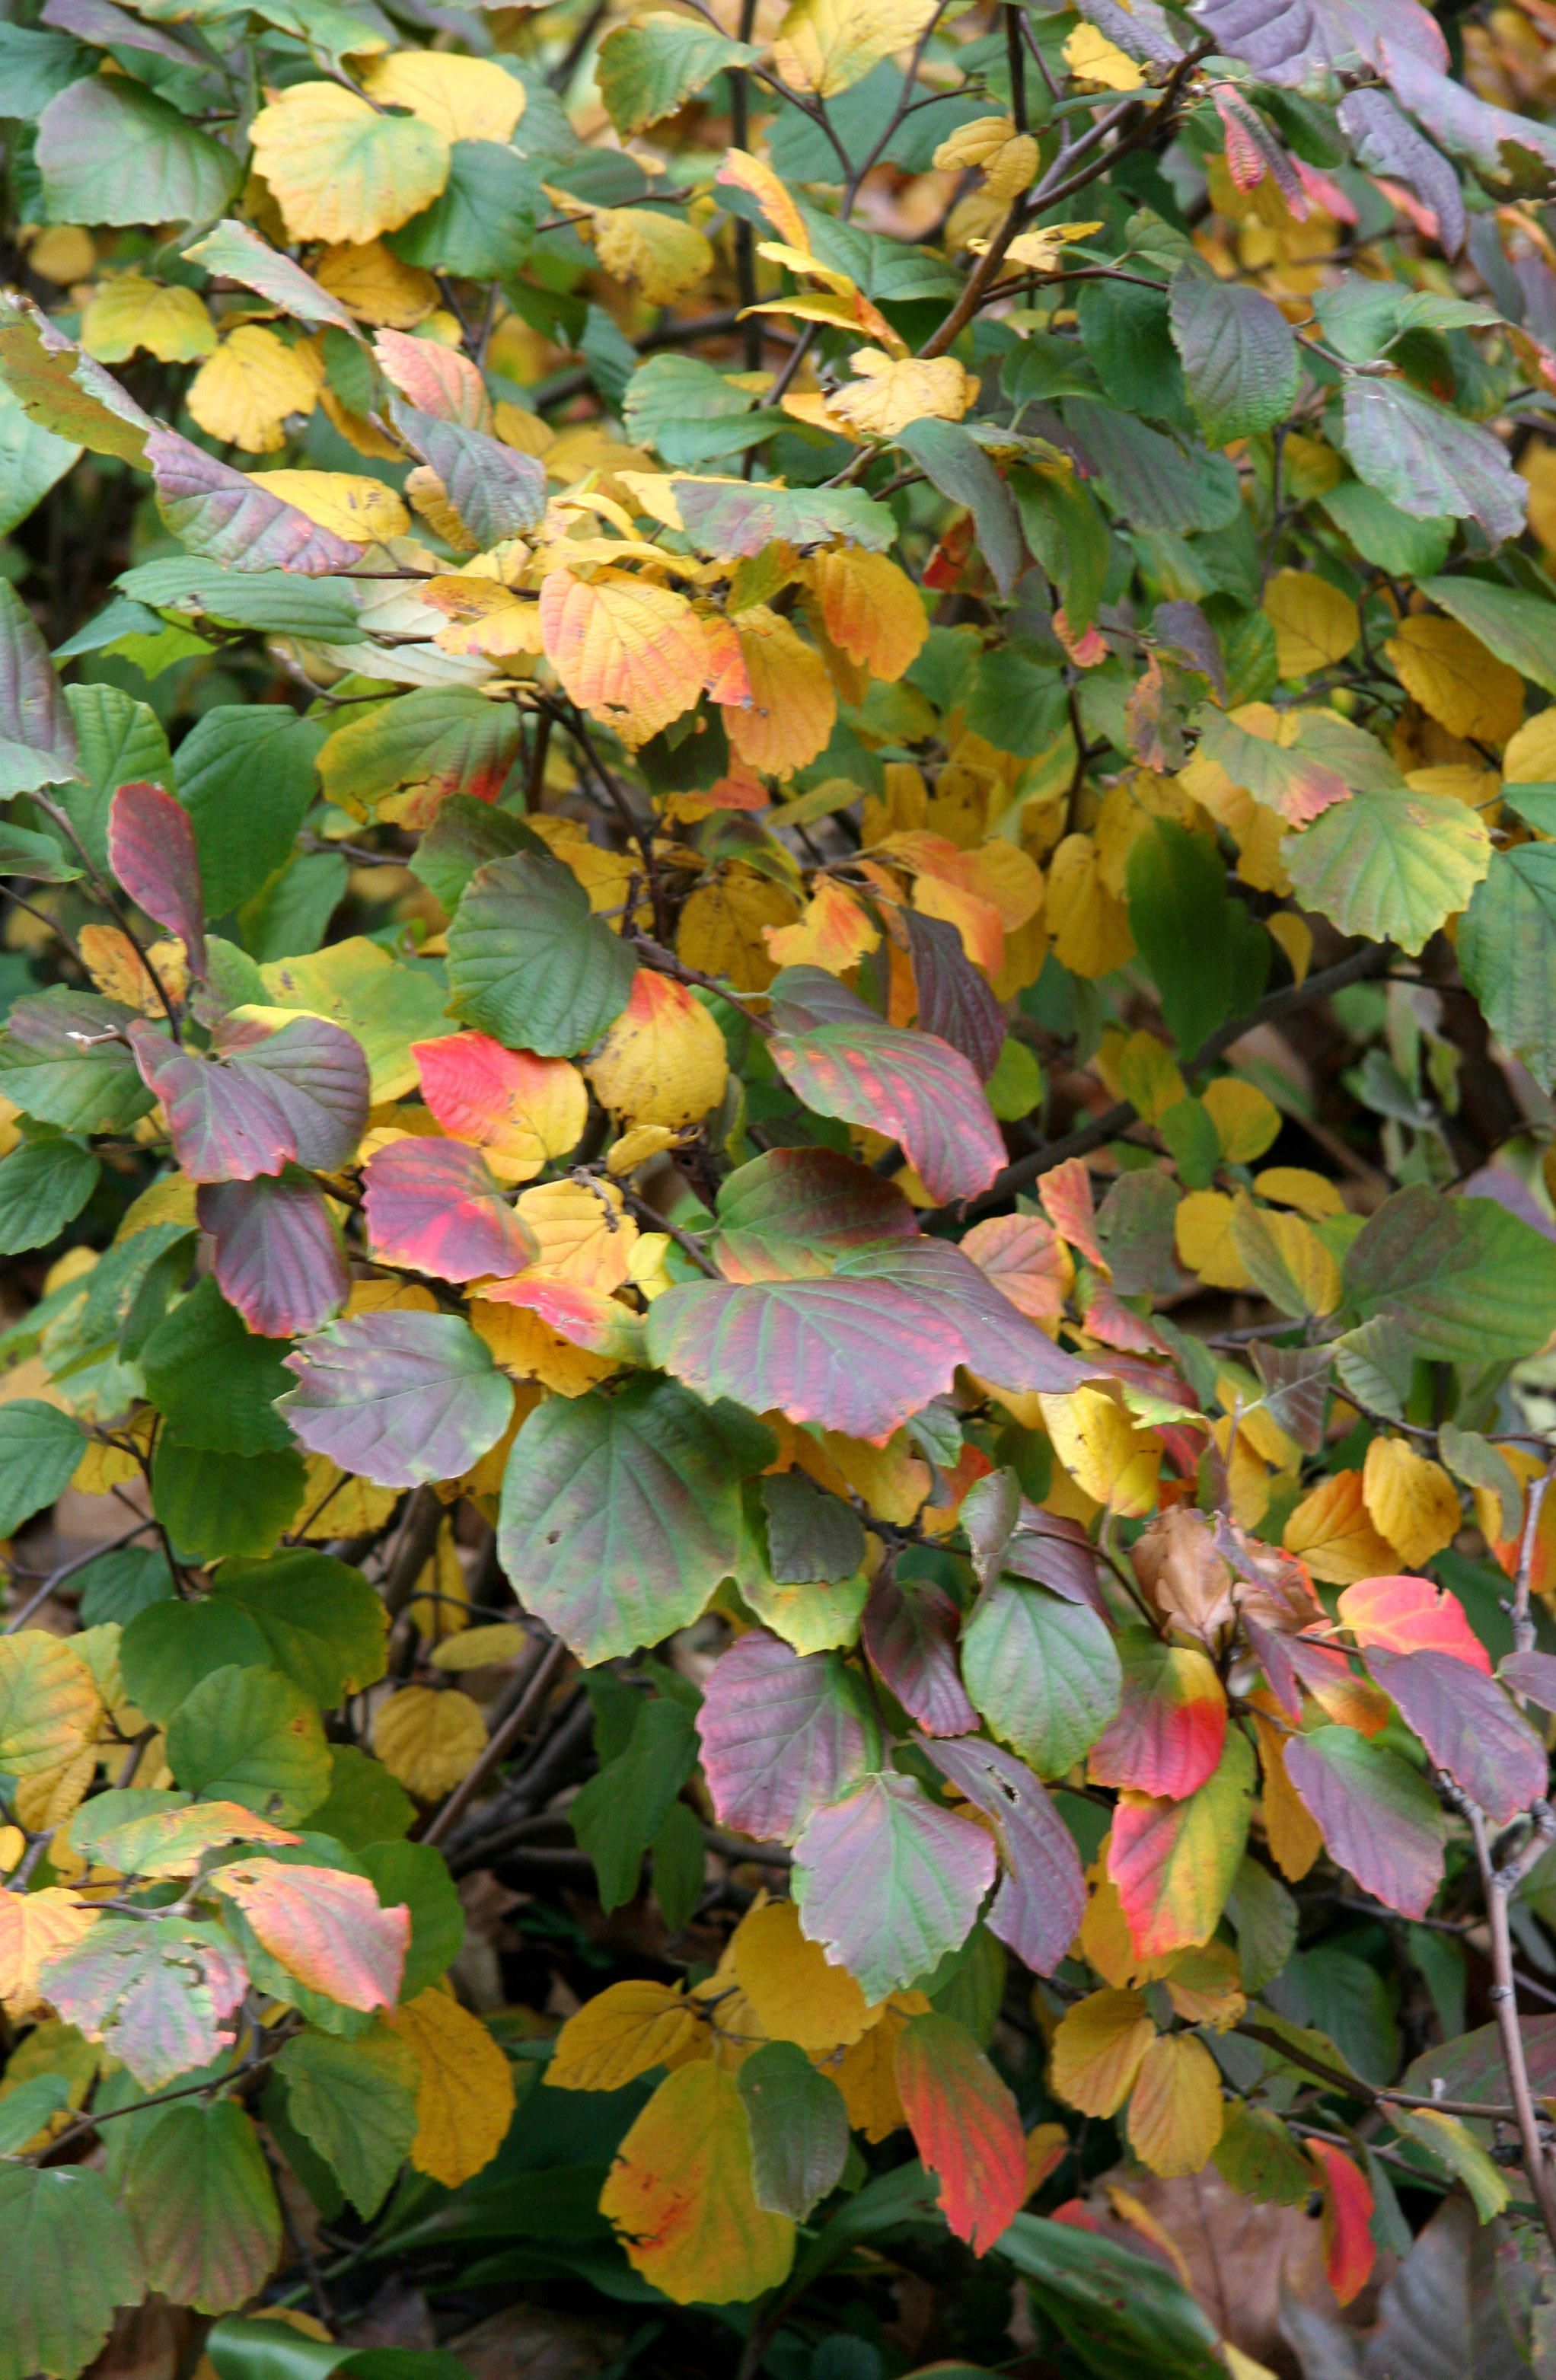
504	1735
1504	1999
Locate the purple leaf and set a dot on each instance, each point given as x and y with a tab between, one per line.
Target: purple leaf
37	733
1378	1817
782	1735
1298	44
999	1343
1457	118
433	1204
317	1073
151	852
791	1214
496	491
1384	141
1042	1900
1055	1553
1469	1727
888	1882
953	999
910	1631
223	515
226	1124
1291	1662
278	1259
400	1398
1533	1674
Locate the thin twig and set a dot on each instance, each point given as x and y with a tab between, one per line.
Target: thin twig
500	1743
68	1569
1504	1999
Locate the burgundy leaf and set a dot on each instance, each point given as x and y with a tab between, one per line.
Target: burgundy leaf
1533	1674
1039	1904
1167	1736
1291	1662
317	1073
1469	1727
225	515
1378	1817
782	1734
1055	1553
1387	142
910	1630
1291	41
998	1341
225	1122
953	999
888	1882
433	1204
790	1214
278	1257
151	852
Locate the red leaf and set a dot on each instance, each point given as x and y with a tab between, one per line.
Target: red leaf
277	1257
1376	1816
1041	1898
782	1734
1065	1195
433	1204
1171	1725
151	852
1023	1258
1411	1615
1349	2253
792	1213
499	1098
1469	1727
326	1928
587	1317
965	2126
910	1631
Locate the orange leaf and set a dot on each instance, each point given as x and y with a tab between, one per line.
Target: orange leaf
632	655
965	2126
748	173
1349	2253
1026	1260
870	608
1411	1615
1065	1195
1292	1832
792	709
834	932
326	1928
35	1926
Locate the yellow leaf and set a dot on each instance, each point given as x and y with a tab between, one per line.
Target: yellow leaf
1290	1827
796	1995
1175	2115
630	653
35	1926
475	1649
1454	679
465	2096
429	1739
1314	624
46	1801
869	608
890	1481
1089	925
793	706
973	145
1091	57
813	1619
529	1348
339	170
834	932
441	1605
465	99
63	253
1097	2051
624	2031
130	312
1287	1259
826	46
1412	1500
1312	1194
1246	1121
723	928
681	2197
352	504
1332	1532
583	1232
664	254
372	283
1205	1987
49	1704
1147	1077
1203	1231
1099	1446
1293	933
663	1060
1105	1941
1039	251
244	391
335	1504
1530	757
117	970
885	395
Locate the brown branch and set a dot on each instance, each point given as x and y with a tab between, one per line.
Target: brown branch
503	1736
1504	1999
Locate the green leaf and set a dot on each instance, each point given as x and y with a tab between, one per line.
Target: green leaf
1125	329
529	965
246	776
465	835
1065	528
1507	951
648	69
199	2193
27	2110
1383	534
36	67
620	1515
1150	478
224	1504
1122	2314
482	226
1516	627
364	1806
1240	357
1265	1917
800	2129
680	1865
1467	1282
214	1379
417	1874
616	1816
355	2102
32	459
1258	2157
251	1736
1043	1672
1206	953
120	741
43	1185
67	2258
267	600
1391	864
324	1625
953	461
169	1648
110	152
888	1882
35	856
1018	704
1452	2143
40	1448
117	1585
58	1063
685	410
1427	461
398	1398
